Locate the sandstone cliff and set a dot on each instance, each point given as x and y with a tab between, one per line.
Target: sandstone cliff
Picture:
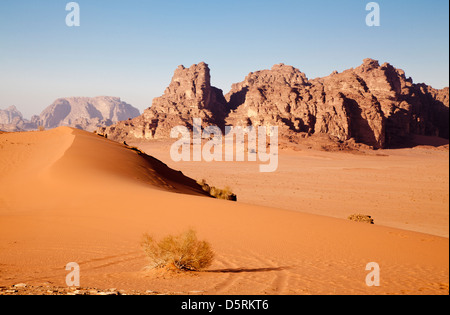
371	104
189	95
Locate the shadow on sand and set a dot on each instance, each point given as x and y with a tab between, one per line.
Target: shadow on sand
242	270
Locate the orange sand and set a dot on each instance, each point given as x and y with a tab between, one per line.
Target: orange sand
71	196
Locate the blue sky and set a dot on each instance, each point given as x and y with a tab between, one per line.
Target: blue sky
131	48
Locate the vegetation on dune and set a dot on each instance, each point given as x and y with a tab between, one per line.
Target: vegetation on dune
361	218
218	193
183	252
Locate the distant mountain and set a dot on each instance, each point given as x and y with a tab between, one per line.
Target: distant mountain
10	115
372	105
79	112
11	119
86	113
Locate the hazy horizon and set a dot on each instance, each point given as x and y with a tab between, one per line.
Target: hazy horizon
130	50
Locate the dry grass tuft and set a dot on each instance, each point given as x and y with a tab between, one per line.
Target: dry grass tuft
361	218
218	193
183	252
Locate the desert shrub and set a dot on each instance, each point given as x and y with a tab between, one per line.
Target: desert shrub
218	193
133	148
361	218
183	252
41	128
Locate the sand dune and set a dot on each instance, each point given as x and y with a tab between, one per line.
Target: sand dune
71	196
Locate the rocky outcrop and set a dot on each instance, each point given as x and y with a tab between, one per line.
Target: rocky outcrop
339	105
11	119
371	104
78	112
10	115
189	95
86	113
408	108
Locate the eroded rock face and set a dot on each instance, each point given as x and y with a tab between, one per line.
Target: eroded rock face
10	115
339	105
371	104
189	95
408	108
79	112
86	113
11	119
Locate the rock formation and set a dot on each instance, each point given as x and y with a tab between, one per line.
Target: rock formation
11	119
78	112
10	115
375	105
189	95
86	113
371	104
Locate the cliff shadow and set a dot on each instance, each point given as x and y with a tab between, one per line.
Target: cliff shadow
360	129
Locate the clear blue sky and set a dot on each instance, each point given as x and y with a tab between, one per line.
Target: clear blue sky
131	48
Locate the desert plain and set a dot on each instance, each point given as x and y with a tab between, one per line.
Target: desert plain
68	195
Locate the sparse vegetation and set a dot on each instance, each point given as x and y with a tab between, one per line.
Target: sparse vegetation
218	193
136	149
41	128
183	252
361	218
133	148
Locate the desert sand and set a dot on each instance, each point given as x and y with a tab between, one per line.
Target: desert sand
402	188
71	196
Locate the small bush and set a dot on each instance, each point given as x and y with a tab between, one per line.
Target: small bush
361	218
41	128
218	193
183	252
133	148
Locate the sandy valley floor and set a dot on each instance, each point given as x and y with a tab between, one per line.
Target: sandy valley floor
71	196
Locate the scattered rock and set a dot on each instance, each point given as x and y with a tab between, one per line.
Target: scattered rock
47	290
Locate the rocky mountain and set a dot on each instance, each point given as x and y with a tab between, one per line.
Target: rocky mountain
189	95
11	119
10	115
79	112
374	105
86	113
